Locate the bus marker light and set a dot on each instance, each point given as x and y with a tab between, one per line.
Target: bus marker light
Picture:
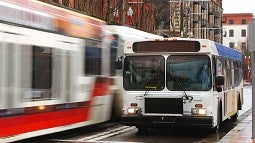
199	105
133	104
203	46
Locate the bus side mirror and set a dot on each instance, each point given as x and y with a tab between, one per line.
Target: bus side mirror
219	80
118	63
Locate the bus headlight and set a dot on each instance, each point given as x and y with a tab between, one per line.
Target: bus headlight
134	110
198	111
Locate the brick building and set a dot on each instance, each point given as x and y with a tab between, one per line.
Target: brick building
199	19
136	13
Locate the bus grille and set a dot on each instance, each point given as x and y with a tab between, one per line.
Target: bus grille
164	105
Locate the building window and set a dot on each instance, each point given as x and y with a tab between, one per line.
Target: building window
243	33
244	46
243	21
231	33
231	21
231	44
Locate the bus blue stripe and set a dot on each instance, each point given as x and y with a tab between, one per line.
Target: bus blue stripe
228	52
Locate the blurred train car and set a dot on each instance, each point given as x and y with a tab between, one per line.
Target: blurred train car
54	70
57	69
121	35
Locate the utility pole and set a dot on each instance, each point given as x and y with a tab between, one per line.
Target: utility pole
251	46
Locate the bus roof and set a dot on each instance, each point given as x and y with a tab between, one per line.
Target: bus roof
205	46
227	52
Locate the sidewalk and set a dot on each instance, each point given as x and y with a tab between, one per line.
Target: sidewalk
241	133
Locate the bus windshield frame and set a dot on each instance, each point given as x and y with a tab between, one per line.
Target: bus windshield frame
183	73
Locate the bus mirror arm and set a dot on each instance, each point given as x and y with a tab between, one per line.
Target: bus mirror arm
118	63
218	88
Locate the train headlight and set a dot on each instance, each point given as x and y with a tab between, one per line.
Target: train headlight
198	111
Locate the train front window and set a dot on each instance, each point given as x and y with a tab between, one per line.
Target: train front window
144	73
188	72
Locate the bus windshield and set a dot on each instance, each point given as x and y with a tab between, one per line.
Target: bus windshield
188	73
144	73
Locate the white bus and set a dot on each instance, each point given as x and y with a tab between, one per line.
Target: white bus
177	82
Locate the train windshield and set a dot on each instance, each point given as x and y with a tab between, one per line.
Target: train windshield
144	73
188	72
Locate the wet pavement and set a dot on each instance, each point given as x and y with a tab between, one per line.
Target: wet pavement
241	133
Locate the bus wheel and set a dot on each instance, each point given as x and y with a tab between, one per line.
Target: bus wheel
219	117
234	117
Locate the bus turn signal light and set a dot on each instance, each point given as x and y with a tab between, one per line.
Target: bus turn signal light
199	105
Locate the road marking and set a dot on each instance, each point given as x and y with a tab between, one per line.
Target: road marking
106	134
76	141
114	142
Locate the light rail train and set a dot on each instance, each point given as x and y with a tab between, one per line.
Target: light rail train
56	69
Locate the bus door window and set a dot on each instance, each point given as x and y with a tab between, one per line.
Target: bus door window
237	73
224	73
229	75
232	75
219	68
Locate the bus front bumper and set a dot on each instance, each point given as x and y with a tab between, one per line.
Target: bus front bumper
168	121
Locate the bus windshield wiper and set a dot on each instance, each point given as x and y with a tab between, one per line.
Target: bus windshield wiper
185	97
149	86
151	83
